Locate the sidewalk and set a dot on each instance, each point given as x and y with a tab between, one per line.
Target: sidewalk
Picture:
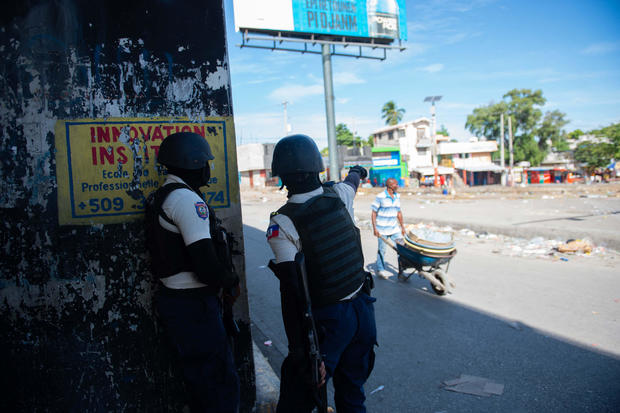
267	384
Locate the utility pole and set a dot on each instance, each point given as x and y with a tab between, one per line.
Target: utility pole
334	169
434	99
511	178
286	127
501	145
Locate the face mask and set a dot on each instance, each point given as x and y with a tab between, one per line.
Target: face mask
206	175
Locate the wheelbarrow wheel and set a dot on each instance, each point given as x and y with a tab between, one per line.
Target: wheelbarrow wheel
441	277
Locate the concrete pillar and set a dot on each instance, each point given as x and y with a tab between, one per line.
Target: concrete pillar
88	90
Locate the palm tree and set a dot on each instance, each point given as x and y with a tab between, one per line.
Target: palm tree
391	113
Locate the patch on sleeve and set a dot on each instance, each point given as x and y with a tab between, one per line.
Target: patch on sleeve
273	231
202	210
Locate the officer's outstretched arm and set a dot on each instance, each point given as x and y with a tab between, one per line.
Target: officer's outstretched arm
356	173
291	305
207	265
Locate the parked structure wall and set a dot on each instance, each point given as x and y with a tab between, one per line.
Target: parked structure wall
78	331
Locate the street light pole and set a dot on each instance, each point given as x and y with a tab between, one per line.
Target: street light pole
501	145
434	99
286	129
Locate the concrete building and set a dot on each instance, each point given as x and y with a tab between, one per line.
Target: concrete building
254	161
471	160
413	138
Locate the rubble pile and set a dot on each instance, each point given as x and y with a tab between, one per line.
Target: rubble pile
537	247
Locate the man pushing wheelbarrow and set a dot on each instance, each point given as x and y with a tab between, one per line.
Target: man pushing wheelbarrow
387	222
423	250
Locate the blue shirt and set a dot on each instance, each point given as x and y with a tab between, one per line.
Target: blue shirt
387	208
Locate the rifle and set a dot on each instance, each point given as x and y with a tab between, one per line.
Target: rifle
223	243
319	393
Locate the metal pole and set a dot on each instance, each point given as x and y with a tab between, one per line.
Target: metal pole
434	148
501	145
510	148
334	169
285	118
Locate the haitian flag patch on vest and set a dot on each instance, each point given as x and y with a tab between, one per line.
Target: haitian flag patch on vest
273	231
202	210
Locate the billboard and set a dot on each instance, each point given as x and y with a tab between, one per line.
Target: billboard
378	19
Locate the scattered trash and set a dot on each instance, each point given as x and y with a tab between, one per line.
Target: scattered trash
262	266
478	386
268	343
563	259
378	389
576	245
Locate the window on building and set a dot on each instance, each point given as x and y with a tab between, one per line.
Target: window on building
390	135
401	133
420	133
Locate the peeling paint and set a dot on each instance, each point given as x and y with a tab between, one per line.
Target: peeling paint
76	299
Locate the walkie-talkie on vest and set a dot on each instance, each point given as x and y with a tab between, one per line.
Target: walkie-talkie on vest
312	337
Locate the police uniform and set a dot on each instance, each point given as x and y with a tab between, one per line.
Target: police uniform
343	312
189	307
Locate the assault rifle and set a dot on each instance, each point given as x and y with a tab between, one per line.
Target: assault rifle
312	338
223	244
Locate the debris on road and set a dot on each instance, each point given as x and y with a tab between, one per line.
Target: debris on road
478	386
576	245
378	389
268	343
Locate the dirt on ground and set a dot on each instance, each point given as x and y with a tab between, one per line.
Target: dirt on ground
544	191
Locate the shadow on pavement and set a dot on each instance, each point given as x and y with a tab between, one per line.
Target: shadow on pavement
425	339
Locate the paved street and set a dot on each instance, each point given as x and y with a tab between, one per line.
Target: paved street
547	329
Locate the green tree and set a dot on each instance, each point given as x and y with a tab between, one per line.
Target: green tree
598	154
370	141
576	134
594	155
443	131
391	113
523	106
345	137
551	131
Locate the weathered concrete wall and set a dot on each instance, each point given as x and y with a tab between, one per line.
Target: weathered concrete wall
77	329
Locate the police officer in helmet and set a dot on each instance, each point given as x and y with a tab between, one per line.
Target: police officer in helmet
318	220
180	227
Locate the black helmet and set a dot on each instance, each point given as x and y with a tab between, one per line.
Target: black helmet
296	154
185	150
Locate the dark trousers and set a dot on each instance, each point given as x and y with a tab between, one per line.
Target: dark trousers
347	346
194	326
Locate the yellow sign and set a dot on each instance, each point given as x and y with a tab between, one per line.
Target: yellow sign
106	168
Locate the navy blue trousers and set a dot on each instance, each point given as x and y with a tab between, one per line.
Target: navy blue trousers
347	346
195	329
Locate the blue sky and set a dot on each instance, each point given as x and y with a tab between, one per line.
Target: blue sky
469	51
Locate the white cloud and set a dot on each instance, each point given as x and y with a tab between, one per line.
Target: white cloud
347	78
601	48
434	68
343	101
294	93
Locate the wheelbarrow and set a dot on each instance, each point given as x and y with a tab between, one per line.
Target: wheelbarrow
426	258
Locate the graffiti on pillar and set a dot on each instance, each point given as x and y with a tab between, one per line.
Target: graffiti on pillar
107	167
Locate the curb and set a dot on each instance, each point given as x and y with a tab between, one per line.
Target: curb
267	383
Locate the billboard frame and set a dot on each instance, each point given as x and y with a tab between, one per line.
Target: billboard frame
277	39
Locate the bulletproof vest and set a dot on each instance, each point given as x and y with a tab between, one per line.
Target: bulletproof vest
331	245
169	255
